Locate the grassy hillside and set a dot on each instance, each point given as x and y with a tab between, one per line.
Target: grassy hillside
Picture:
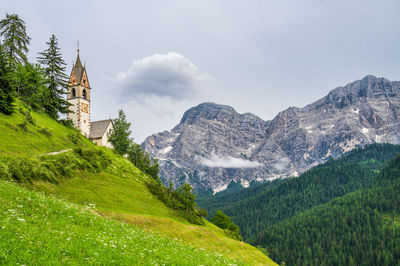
40	230
256	209
95	176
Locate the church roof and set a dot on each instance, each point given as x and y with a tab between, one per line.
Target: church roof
78	70
98	128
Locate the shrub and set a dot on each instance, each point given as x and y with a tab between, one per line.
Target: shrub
45	131
182	200
23	126
223	221
75	137
51	167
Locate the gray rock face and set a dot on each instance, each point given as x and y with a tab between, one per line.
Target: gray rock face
214	145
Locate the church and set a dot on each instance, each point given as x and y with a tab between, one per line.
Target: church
79	97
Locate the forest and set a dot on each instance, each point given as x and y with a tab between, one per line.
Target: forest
323	210
360	228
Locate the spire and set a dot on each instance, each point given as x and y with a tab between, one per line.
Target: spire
77	69
78	62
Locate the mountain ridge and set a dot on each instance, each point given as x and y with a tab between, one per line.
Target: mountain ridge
296	139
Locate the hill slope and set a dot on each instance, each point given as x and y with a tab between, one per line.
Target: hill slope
87	174
213	144
40	230
360	228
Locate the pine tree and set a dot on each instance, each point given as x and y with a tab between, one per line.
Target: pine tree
119	138
15	39
6	90
54	69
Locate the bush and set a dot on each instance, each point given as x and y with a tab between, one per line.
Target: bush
223	221
181	200
52	167
74	137
45	131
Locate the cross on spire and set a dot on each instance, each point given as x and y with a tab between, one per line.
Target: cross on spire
77	45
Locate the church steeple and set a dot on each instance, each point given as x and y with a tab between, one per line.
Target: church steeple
79	97
78	74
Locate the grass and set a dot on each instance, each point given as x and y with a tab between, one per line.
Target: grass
114	189
20	137
76	236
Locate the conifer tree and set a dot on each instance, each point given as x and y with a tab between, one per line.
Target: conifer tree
6	91
54	69
119	138
15	40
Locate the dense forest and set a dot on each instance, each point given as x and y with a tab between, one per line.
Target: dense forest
258	208
360	228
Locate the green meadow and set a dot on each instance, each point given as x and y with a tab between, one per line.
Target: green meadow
90	205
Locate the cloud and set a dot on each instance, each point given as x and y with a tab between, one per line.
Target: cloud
161	75
228	162
281	163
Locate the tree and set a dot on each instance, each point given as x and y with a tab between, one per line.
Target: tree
15	39
30	83
188	199
119	137
141	159
6	90
54	69
223	221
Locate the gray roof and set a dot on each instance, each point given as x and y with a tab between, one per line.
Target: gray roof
98	128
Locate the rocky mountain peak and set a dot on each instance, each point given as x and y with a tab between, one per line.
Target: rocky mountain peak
208	111
214	145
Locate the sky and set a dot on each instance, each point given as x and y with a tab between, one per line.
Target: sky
156	58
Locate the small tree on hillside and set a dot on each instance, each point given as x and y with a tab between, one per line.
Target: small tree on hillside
54	69
6	91
223	221
141	159
119	138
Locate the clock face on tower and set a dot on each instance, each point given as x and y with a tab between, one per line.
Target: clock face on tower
85	108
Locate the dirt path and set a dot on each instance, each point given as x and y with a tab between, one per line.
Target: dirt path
58	152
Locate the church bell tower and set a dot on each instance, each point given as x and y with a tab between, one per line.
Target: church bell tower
79	98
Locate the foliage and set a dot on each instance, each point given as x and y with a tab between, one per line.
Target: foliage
15	39
359	228
77	236
141	159
53	167
223	221
256	209
182	199
29	82
6	90
54	71
119	137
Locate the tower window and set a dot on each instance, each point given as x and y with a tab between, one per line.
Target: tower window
73	92
84	94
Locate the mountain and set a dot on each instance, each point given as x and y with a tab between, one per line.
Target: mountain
214	145
65	200
256	209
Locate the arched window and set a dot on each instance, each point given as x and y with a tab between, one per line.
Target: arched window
73	92
84	94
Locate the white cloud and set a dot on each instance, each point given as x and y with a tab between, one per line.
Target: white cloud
162	75
281	163
228	162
